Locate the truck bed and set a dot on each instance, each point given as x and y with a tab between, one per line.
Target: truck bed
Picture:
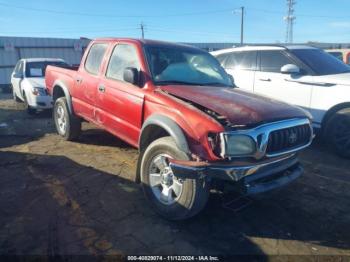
65	74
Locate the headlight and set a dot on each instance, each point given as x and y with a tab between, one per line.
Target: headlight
38	91
237	145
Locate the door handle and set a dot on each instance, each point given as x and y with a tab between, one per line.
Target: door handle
79	80
101	88
265	79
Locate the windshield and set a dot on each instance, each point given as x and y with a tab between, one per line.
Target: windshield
37	69
321	62
174	65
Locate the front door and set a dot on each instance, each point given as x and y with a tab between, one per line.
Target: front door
290	88
16	79
119	104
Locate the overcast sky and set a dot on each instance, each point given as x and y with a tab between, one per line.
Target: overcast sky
180	20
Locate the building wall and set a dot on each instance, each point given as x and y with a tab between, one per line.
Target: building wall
14	48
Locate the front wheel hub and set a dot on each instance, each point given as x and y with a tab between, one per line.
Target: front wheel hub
165	186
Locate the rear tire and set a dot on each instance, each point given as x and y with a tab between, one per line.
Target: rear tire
67	125
172	198
337	132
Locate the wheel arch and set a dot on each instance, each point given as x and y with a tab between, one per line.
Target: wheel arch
157	126
60	89
331	112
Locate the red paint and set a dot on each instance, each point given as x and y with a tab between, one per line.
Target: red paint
240	107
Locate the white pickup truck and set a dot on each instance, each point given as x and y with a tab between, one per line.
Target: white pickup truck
28	82
300	75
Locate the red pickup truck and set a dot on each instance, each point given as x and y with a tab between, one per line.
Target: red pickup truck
192	126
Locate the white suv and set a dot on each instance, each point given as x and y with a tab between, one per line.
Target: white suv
28	82
300	75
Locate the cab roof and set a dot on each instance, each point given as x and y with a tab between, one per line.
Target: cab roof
148	42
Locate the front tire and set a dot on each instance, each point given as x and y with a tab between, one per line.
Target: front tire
29	109
338	132
67	125
172	198
15	97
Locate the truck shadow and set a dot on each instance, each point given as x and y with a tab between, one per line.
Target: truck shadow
52	205
17	127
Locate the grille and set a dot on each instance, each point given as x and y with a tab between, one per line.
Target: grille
288	138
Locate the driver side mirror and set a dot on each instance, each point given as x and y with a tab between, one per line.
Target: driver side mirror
18	75
290	69
131	75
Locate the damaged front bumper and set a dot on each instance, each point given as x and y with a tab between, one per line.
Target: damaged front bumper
251	178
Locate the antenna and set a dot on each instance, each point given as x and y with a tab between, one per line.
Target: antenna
290	20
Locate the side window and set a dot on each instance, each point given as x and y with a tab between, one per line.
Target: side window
94	58
123	56
272	61
15	70
221	58
241	60
20	68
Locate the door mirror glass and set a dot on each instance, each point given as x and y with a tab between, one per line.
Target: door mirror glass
18	75
131	75
290	69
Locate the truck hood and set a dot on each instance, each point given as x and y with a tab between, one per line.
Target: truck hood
36	81
337	79
239	107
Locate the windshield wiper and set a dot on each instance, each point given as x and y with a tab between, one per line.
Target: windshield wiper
168	82
216	84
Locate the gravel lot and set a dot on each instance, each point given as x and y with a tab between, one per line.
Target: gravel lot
62	197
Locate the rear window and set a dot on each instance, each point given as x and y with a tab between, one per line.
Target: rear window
241	60
221	58
37	69
94	58
338	55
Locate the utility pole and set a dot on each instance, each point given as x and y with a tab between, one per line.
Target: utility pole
242	23
290	21
142	30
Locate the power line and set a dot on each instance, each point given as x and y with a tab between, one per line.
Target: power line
112	15
103	29
299	14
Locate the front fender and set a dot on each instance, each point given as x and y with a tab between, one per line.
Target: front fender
169	126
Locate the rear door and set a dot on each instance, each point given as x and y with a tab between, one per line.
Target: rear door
119	104
87	81
241	65
290	88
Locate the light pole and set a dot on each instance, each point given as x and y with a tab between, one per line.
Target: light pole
242	23
241	11
142	30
